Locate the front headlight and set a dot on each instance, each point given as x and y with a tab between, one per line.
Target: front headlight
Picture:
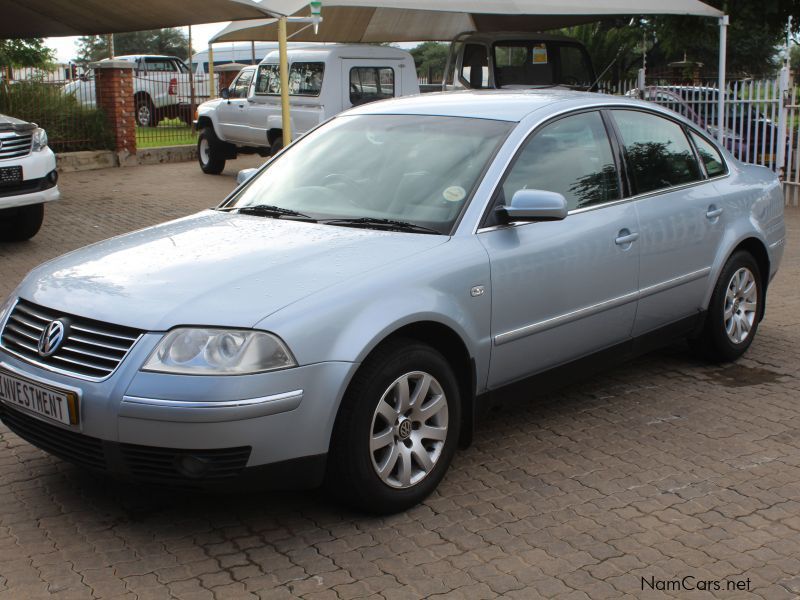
196	351
39	139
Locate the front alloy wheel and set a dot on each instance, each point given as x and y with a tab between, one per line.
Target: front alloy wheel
409	428
397	428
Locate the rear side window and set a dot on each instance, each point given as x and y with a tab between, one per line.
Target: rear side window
305	79
371	83
710	156
657	152
160	65
571	156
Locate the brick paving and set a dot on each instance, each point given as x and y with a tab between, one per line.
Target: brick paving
661	469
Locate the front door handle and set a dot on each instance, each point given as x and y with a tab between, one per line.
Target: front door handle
713	212
625	238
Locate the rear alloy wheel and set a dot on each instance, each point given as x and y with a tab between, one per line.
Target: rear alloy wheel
397	429
22	223
209	153
734	311
145	113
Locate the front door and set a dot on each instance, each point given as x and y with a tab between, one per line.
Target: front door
233	112
563	289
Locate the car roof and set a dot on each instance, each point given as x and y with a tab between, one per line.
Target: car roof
501	105
135	57
320	52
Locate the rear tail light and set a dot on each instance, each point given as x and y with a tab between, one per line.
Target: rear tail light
173	87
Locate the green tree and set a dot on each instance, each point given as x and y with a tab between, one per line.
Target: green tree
25	53
430	57
170	41
614	46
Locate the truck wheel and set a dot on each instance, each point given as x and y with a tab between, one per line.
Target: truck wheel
734	310
145	113
276	146
209	152
397	429
20	224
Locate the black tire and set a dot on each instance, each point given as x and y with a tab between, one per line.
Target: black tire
209	152
715	343
22	223
145	112
276	146
351	475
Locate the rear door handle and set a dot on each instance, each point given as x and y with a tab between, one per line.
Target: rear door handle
626	237
713	212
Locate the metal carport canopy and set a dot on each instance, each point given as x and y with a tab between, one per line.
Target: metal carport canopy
54	18
351	21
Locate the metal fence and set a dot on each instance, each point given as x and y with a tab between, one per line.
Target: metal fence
45	98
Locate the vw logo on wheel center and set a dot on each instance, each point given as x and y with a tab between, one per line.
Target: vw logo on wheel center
51	339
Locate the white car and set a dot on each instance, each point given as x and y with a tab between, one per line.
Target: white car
28	178
323	81
161	88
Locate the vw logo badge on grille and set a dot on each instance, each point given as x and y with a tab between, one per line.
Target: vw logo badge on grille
51	339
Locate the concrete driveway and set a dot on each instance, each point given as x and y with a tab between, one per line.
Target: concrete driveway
661	475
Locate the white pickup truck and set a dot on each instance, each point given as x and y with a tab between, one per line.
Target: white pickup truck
323	81
28	178
161	88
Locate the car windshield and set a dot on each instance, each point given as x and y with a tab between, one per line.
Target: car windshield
408	168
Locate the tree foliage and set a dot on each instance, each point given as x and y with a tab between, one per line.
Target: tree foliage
170	41
430	57
25	53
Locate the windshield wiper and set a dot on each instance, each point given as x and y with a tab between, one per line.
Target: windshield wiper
268	210
388	224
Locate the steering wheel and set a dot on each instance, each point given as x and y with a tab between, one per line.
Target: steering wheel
346	179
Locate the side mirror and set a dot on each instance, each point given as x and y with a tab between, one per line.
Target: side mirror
535	205
245	175
225	93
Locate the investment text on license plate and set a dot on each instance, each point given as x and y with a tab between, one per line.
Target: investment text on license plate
47	402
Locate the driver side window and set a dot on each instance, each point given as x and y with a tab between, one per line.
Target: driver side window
571	156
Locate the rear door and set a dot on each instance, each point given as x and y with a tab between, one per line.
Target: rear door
680	215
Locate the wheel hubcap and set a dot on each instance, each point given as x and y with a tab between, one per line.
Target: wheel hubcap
741	302
409	429
144	115
204	151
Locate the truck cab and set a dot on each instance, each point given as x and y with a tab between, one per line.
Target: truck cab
522	60
324	80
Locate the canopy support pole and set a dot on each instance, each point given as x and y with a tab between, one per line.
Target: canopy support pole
722	84
212	89
286	121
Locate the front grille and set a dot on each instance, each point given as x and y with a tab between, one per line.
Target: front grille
91	349
13	145
67	445
166	463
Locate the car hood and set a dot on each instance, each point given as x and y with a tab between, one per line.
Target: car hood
212	268
11	124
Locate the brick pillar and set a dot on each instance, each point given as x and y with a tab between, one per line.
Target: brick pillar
114	92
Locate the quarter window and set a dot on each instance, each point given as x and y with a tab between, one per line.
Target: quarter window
657	152
710	156
571	156
371	83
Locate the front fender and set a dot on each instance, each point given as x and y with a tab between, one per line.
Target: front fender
347	321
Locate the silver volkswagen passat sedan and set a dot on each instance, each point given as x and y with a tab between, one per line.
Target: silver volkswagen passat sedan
338	317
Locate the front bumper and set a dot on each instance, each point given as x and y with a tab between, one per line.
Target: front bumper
274	420
39	180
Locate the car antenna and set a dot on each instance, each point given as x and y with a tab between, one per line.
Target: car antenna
599	77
